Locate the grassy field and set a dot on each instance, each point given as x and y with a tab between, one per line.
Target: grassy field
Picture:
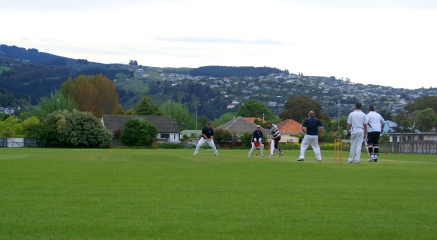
171	194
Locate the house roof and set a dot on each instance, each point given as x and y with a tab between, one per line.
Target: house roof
252	119
164	124
289	126
240	125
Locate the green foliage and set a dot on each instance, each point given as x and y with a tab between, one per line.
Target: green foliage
31	127
426	120
145	107
422	103
74	129
180	113
55	102
10	127
254	108
297	108
224	118
246	138
221	135
137	132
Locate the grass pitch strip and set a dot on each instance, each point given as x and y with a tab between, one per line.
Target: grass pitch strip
171	194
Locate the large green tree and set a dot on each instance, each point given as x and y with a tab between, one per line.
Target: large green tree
255	108
179	112
55	102
145	107
137	132
426	120
297	108
422	103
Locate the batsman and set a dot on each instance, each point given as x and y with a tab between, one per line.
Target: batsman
256	141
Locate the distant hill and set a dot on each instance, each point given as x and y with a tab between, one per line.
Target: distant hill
30	74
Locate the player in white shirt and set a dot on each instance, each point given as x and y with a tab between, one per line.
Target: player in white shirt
375	124
357	126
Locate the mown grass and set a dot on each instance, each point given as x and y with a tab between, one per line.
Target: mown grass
171	194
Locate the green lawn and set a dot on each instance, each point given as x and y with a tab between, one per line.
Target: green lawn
171	194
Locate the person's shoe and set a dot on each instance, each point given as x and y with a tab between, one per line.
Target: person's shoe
300	159
319	160
271	156
216	154
195	154
375	160
261	156
249	156
349	162
370	160
280	153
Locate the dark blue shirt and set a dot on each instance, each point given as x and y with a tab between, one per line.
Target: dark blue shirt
208	132
257	136
312	124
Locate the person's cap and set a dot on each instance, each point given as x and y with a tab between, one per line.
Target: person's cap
208	123
258	126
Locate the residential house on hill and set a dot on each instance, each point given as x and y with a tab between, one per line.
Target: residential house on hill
168	130
290	129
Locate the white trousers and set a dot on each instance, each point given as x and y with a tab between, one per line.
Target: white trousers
314	141
272	147
356	142
203	141
261	149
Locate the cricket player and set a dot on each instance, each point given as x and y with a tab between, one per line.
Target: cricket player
311	127
276	136
357	126
207	137
257	137
375	124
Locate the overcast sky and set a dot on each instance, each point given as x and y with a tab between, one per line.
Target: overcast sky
383	42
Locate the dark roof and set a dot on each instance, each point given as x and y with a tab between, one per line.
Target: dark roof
165	124
240	125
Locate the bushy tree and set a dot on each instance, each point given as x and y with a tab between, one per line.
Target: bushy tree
55	102
426	120
254	108
422	103
96	94
221	135
223	119
10	127
145	107
179	112
297	108
31	127
74	129
138	132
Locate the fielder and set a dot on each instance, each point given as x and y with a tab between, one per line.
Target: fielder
375	124
310	127
276	136
357	127
207	137
257	137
